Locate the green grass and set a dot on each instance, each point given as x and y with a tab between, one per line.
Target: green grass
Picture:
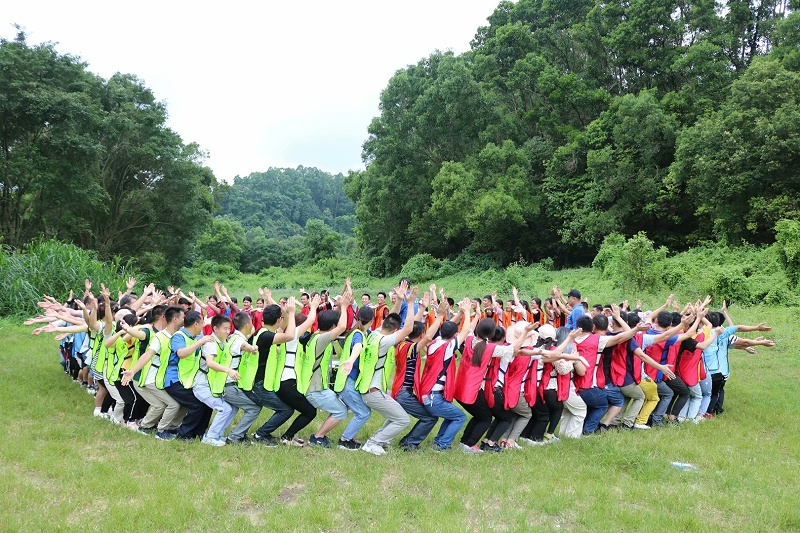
60	468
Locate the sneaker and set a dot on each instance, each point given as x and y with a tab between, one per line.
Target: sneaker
165	435
527	442
373	447
552	439
435	447
708	416
491	447
641	426
146	431
133	426
114	420
269	440
349	444
212	441
313	440
296	442
242	441
470	449
409	447
602	428
91	390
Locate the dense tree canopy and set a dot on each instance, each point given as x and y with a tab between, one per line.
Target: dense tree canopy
92	161
572	119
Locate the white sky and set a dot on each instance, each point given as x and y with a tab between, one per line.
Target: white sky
258	84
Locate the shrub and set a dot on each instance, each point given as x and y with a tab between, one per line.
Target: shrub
420	268
53	268
787	235
609	251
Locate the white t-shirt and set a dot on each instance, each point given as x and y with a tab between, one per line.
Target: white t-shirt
209	349
291	355
237	339
155	345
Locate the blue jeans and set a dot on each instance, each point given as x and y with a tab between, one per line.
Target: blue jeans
596	406
614	395
665	395
361	413
261	396
705	388
453	418
425	421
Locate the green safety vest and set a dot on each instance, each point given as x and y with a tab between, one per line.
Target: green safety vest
305	365
99	351
341	377
116	356
369	363
163	361
276	360
248	365
217	379
189	365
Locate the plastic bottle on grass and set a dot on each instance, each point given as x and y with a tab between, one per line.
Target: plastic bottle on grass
684	466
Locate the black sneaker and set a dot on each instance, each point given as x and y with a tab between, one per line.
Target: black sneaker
269	440
146	431
409	447
313	440
491	447
349	444
602	428
242	441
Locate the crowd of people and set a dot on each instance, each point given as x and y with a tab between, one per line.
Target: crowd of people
500	374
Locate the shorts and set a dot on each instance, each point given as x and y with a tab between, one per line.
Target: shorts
614	396
327	400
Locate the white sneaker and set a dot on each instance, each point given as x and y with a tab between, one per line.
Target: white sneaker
527	442
213	442
641	426
133	426
373	448
470	449
114	420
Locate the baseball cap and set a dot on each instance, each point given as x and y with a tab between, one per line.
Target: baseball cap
574	293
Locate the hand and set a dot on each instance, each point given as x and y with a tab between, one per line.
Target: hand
261	292
750	350
426	300
763	327
88	285
151	289
642	327
583	360
615	310
432	289
224	292
412	295
119	295
127	376
347	283
301	290
719	330
37	331
724	305
463	305
205	339
346	367
192	296
402	289
494	296
638	304
687	321
266	293
347	299
531	327
131	283
665	369
234	374
315	301
626	305
515	292
291	304
442	309
104	292
251	349
170	289
575	333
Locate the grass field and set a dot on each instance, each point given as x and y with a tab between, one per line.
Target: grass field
62	469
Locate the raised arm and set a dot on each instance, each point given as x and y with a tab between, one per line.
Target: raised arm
346	300
463	307
310	318
288	334
654	314
408	323
401	290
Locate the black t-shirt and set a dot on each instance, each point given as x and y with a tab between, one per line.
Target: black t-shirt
264	343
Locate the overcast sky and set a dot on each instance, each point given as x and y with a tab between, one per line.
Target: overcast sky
258	84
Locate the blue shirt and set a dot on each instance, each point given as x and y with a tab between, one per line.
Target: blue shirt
577	312
358	338
716	355
404	310
177	342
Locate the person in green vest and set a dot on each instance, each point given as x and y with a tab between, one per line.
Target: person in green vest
377	370
312	371
184	357
151	380
244	359
215	370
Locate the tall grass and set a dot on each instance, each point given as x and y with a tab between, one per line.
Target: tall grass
47	266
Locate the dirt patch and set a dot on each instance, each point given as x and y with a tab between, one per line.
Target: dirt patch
289	494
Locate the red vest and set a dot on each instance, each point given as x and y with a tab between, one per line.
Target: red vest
434	363
562	384
588	350
621	359
400	360
513	383
660	354
469	378
688	364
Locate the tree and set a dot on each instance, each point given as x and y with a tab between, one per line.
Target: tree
223	242
321	242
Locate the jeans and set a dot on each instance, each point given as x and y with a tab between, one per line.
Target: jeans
198	416
225	411
327	400
452	417
596	404
692	407
425	421
614	395
239	400
665	395
361	413
261	396
705	389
